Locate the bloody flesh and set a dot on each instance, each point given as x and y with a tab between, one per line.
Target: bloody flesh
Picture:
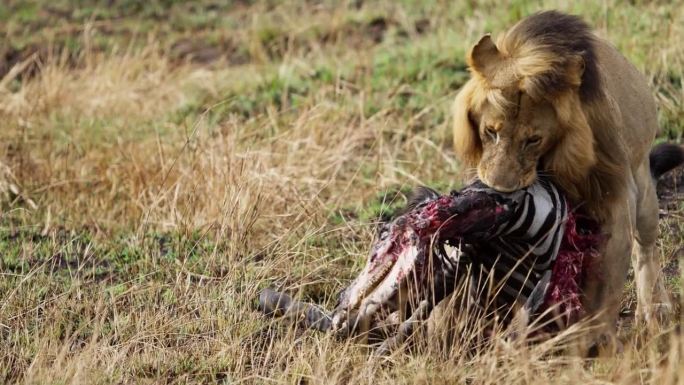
580	248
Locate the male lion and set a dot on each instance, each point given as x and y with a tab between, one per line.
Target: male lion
551	98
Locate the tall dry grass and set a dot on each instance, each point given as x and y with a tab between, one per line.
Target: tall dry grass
143	212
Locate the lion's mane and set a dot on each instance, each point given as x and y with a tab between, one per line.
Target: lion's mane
550	56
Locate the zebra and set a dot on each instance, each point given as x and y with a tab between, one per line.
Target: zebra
514	248
516	258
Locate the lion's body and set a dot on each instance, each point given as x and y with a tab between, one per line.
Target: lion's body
636	122
550	97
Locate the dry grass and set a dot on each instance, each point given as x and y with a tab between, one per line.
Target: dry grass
148	196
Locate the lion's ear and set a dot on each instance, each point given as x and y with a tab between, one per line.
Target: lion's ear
467	142
484	57
574	71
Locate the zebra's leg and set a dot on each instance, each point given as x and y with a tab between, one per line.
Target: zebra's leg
405	329
442	288
278	304
516	331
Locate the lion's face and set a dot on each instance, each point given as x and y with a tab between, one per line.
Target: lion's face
527	109
514	140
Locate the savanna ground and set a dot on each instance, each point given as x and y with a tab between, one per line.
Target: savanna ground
162	162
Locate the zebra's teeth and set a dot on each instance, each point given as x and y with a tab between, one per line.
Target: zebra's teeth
374	281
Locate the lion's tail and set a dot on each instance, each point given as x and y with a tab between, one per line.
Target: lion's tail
664	157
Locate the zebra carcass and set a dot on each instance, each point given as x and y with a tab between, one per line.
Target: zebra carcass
507	241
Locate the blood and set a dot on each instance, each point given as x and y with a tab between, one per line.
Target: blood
578	254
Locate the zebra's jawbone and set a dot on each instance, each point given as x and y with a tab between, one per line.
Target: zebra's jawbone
381	282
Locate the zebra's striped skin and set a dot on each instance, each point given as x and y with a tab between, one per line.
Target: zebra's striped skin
516	259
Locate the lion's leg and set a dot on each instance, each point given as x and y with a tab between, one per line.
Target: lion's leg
606	279
652	299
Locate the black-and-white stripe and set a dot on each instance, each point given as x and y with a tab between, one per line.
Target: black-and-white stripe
513	264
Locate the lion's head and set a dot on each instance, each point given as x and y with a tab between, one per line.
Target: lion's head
530	107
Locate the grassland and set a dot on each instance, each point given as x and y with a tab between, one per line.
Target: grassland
162	161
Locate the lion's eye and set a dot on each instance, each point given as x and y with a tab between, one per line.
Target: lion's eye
533	141
493	135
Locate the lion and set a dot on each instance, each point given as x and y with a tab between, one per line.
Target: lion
549	97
